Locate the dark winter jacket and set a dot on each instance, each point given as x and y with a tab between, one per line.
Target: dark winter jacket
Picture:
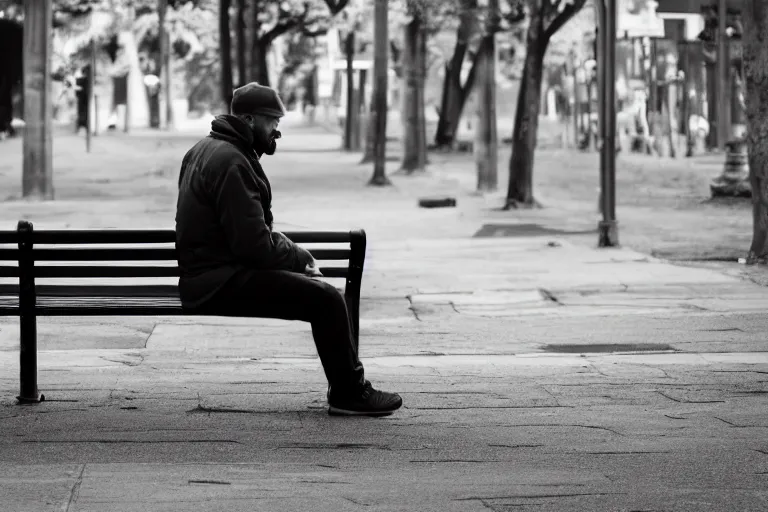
223	214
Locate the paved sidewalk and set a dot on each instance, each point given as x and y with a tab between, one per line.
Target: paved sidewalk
538	373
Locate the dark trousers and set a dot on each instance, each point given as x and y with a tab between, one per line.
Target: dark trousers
291	296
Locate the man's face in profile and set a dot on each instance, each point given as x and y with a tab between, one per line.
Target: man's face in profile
265	134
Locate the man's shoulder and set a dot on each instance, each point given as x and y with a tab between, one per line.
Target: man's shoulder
217	154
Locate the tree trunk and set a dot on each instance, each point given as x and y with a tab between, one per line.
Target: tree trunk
225	49
259	66
351	120
520	189
242	72
755	40
455	94
370	136
37	166
486	141
11	64
165	62
414	122
360	114
260	45
379	109
451	108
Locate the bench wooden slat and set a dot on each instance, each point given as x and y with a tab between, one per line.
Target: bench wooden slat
133	254
104	271
94	271
143	236
88	300
103	254
98	290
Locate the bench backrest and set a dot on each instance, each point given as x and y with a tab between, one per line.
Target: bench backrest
148	253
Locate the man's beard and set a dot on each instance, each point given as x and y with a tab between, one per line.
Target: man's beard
271	146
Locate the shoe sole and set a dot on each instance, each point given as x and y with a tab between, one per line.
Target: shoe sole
335	411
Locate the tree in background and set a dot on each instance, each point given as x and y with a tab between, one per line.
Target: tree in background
755	41
10	70
486	138
545	18
455	93
242	42
350	25
273	18
379	107
421	20
471	33
225	54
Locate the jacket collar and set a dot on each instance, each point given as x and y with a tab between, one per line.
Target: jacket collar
234	130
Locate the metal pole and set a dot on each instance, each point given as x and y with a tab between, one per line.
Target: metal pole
608	234
722	77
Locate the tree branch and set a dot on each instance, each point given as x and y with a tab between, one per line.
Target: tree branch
561	18
278	30
314	33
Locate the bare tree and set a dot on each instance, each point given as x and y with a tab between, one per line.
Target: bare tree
545	18
755	40
455	93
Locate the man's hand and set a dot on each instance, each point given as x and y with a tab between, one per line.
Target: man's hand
307	262
313	271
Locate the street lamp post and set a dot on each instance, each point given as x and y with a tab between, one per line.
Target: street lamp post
608	232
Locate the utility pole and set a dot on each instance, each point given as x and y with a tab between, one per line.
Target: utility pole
723	102
608	231
37	167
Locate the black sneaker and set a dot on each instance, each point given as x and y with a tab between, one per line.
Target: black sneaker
366	402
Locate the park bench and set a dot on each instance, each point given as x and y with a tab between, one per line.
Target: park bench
133	261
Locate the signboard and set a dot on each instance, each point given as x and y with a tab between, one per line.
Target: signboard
638	18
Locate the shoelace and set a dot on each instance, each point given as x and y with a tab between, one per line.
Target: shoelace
367	390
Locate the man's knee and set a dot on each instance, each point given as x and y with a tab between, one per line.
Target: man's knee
328	297
330	292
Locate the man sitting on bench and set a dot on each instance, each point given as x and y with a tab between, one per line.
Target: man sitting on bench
233	263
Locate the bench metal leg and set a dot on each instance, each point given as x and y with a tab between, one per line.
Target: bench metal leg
28	361
28	392
357	245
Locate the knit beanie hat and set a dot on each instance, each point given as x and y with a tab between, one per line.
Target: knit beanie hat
253	98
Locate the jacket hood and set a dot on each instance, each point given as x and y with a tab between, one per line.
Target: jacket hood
234	130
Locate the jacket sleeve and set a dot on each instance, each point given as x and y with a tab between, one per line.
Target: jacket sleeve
238	204
302	255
